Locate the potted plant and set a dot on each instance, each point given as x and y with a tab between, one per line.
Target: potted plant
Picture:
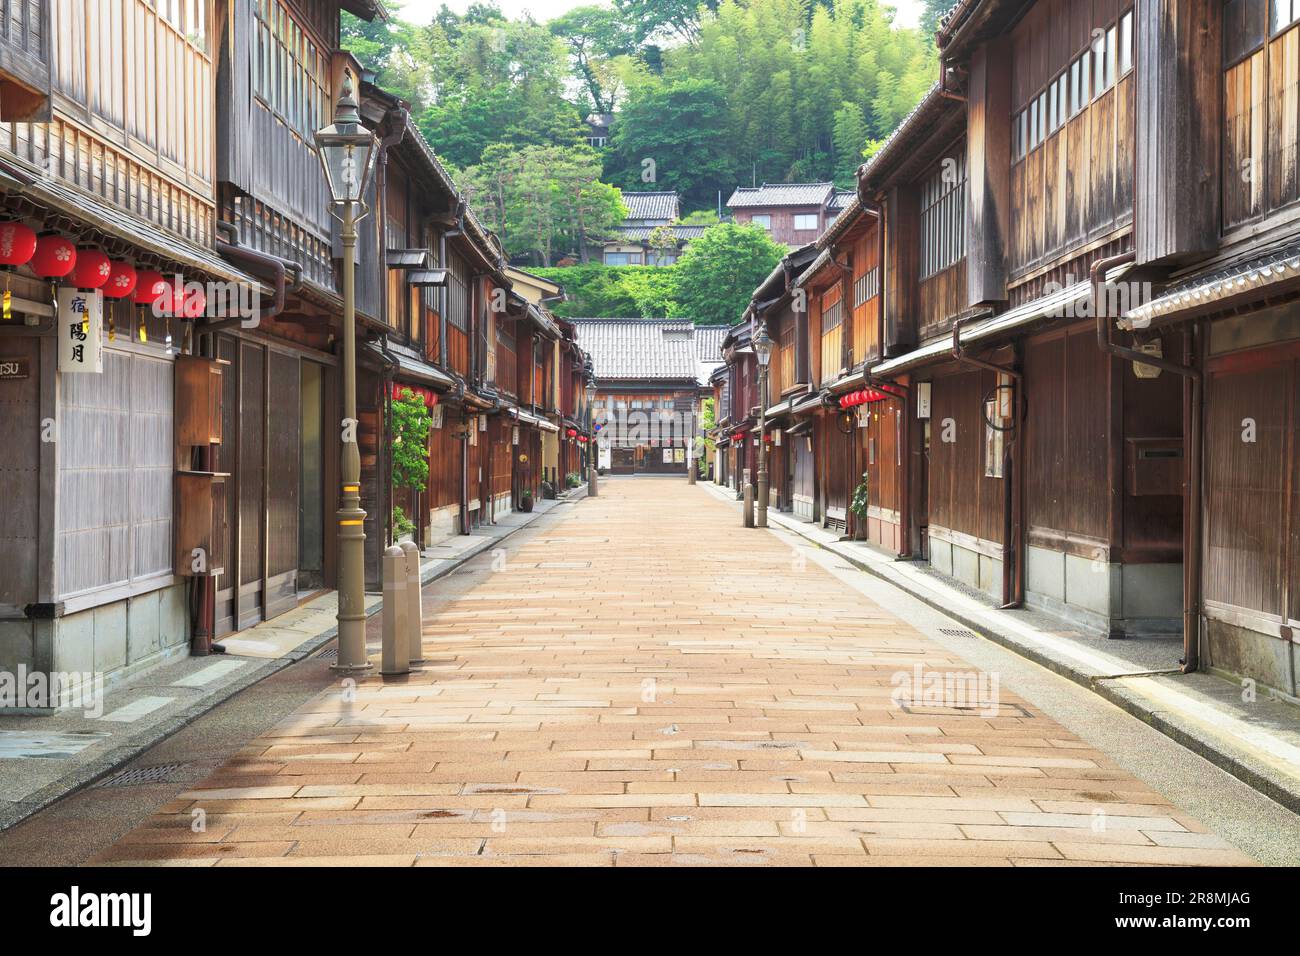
403	527
526	501
411	423
861	505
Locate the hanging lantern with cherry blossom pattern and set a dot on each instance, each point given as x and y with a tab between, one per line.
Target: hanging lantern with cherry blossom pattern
121	283
54	256
92	269
17	246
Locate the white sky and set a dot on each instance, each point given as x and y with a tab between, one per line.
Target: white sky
421	11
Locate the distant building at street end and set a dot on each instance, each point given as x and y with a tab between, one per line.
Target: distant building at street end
651	374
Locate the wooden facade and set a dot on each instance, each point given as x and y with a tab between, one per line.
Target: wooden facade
194	487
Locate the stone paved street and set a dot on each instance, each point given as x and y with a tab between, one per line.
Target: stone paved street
671	690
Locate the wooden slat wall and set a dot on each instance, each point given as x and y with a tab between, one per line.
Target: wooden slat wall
832	335
20	436
282	476
444	464
115	474
1178	109
1067	436
866	317
24	54
251	479
884	471
961	498
1077	187
1245	486
940	299
1261	99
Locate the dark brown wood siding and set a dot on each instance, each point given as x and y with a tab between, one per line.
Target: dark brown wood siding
961	498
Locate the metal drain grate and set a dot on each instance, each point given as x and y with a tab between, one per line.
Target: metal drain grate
955	632
329	654
135	777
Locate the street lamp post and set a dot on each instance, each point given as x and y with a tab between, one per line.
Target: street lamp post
763	352
347	154
690	444
593	455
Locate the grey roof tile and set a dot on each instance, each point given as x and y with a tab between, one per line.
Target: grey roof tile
653	206
648	349
782	194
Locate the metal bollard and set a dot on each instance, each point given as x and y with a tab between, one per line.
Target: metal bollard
415	606
593	490
396	661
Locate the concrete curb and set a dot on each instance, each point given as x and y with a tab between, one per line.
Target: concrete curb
1254	774
89	773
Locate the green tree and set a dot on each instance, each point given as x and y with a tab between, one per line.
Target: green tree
496	81
541	200
850	136
596	38
618	292
666	19
411	424
932	12
717	275
673	137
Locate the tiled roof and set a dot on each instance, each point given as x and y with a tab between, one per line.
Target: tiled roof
1256	274
643	233
656	349
842	198
708	346
653	206
928	101
782	194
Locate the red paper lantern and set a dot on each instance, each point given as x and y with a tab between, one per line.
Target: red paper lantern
122	280
186	301
572	433
150	286
17	244
54	256
92	269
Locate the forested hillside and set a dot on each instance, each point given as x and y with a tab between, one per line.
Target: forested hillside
704	98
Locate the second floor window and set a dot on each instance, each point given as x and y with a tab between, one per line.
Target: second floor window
1107	59
290	69
806	222
866	287
1285	13
763	222
943	216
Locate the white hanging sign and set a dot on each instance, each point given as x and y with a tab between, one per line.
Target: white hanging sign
81	330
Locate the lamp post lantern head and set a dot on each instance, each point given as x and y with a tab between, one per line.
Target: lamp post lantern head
762	345
347	149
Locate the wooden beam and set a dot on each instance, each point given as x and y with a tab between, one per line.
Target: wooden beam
1179	126
988	117
902	253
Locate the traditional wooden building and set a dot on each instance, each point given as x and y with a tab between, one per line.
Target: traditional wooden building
794	213
648	389
1067	309
174	415
108	193
736	432
638	241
